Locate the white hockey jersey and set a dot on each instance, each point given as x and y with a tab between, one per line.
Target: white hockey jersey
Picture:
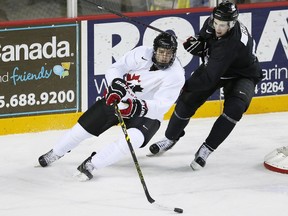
159	88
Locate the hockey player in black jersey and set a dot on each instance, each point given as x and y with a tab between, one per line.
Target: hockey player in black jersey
228	54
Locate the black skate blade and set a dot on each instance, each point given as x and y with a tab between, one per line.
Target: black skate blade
155	155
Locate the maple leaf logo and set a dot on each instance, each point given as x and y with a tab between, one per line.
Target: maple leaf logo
133	82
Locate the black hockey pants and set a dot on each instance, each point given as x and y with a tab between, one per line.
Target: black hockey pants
237	97
100	117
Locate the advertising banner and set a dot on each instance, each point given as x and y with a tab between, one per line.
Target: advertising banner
39	70
109	39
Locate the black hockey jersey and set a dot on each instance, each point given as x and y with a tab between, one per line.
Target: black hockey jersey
231	56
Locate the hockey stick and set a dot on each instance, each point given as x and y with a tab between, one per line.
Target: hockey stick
133	20
149	198
126	17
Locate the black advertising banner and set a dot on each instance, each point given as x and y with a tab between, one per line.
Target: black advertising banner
39	70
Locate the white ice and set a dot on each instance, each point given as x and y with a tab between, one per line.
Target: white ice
233	183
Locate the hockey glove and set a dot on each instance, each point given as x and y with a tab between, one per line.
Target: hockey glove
135	108
193	45
116	91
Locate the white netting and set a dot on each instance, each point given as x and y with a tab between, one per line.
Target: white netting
38	9
277	160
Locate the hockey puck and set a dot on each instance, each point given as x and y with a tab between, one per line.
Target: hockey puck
178	210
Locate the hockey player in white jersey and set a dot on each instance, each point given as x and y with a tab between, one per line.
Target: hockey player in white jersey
148	81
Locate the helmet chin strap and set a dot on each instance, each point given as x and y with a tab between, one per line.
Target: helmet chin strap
231	24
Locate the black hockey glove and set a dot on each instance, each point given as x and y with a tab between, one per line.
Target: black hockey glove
135	108
193	45
116	91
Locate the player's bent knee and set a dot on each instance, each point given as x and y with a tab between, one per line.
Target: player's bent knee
183	111
136	137
235	108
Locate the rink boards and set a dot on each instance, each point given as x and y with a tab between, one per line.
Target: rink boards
48	81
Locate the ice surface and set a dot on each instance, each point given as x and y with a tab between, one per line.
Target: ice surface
233	183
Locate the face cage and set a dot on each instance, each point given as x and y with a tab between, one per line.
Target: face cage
163	66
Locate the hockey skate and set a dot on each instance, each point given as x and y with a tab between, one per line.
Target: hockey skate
48	158
85	169
161	146
200	157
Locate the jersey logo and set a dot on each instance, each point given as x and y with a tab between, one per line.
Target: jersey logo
243	93
208	32
134	82
144	126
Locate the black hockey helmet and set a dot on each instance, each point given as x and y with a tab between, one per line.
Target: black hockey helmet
226	11
166	41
